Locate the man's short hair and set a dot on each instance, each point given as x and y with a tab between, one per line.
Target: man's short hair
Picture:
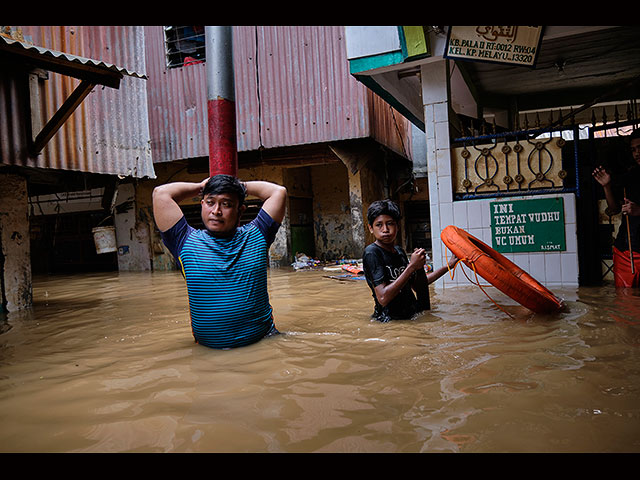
634	134
383	207
223	183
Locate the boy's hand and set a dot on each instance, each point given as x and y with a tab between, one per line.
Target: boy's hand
418	258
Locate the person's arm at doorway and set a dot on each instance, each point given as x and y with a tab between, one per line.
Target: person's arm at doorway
166	198
604	178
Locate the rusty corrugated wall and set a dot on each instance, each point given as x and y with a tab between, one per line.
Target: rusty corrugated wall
109	131
177	104
292	88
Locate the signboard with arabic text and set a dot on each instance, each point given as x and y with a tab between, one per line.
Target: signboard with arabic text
515	45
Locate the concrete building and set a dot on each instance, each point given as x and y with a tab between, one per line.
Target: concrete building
515	119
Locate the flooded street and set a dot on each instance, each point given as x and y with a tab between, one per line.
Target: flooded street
107	363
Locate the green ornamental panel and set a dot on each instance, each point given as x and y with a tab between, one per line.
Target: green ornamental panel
528	225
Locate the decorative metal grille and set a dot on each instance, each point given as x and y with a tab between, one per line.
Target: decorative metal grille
533	160
521	162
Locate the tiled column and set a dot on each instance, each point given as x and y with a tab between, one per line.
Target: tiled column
436	118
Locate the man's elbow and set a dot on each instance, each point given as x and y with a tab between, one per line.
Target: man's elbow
158	193
279	195
281	191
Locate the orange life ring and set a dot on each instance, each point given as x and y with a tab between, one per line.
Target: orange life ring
501	272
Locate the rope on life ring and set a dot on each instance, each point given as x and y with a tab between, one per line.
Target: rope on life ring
452	272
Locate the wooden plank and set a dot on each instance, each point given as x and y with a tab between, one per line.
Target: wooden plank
61	116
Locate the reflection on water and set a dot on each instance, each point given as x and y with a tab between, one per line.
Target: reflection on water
107	363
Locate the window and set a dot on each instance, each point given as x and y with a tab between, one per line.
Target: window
184	45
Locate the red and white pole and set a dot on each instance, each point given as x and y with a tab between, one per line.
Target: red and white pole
221	101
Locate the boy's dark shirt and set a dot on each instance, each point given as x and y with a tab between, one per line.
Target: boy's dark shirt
382	267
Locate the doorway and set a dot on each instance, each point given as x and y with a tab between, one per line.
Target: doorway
608	147
64	243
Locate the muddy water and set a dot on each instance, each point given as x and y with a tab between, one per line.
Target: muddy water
106	363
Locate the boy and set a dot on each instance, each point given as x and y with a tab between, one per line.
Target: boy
225	265
392	278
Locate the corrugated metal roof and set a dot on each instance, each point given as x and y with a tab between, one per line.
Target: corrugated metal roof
72	59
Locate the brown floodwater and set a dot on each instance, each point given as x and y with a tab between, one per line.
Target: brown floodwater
107	363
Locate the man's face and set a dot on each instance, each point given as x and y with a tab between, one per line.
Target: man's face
221	213
635	150
384	229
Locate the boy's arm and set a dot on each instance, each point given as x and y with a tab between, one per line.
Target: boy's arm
436	274
274	197
385	293
166	198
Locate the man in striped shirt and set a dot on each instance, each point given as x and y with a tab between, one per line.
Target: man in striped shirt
225	265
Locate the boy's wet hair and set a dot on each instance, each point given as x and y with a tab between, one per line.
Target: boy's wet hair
223	183
383	207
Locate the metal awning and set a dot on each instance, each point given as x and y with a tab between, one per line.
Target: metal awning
93	71
90	73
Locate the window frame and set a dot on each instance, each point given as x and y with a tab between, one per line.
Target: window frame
184	42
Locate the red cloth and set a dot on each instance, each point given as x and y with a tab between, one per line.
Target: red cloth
191	61
622	268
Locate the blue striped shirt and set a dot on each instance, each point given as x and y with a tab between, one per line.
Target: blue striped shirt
226	280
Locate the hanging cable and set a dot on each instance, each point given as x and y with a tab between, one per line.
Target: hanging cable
261	146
